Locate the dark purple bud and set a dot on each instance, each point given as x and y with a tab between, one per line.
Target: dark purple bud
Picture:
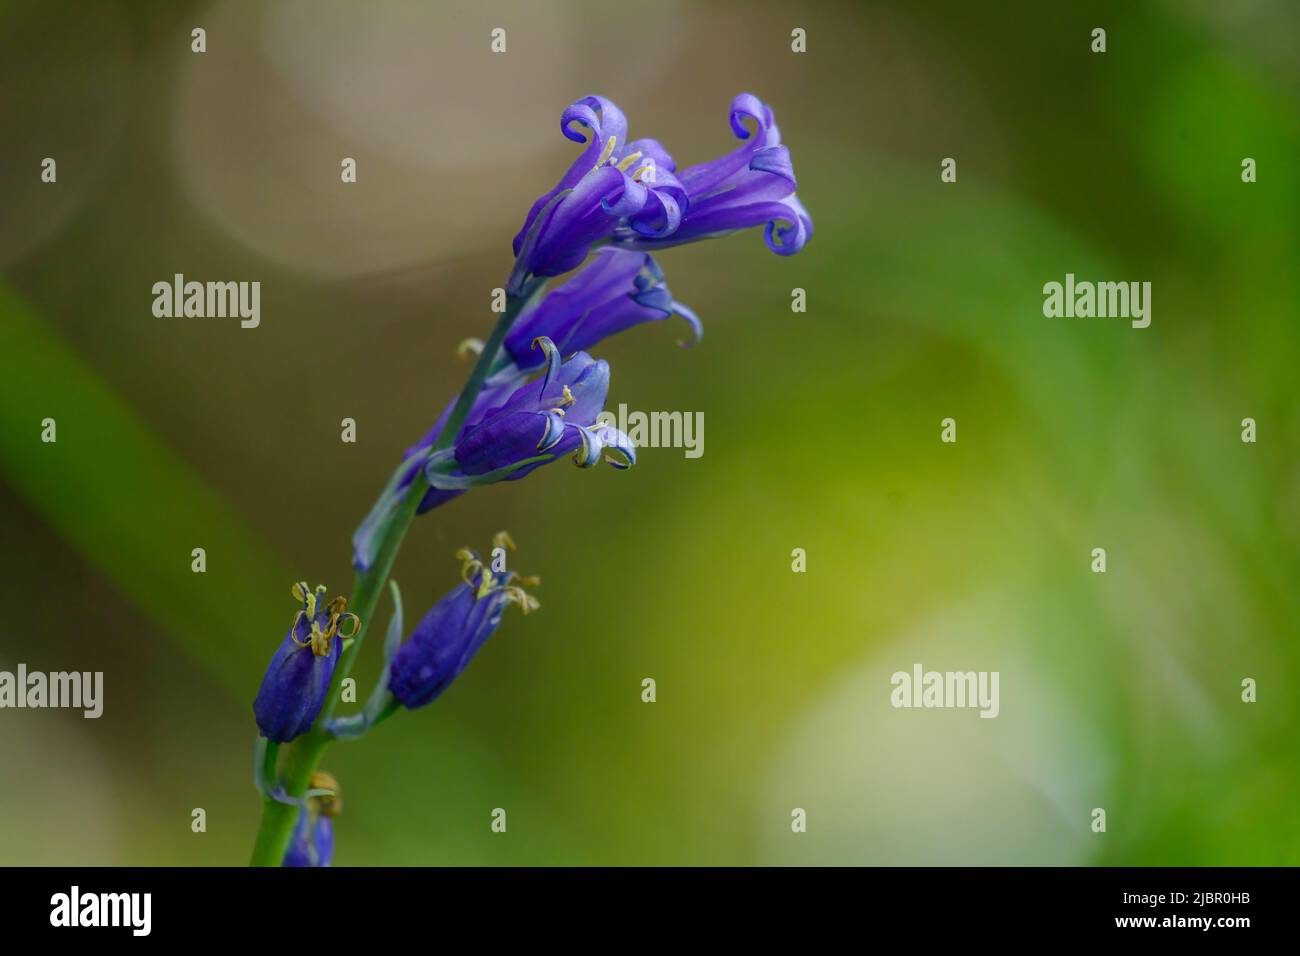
448	637
313	835
298	677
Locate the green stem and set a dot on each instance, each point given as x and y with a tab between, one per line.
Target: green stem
304	754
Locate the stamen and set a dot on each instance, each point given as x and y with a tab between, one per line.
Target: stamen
471	567
469	347
628	160
568	399
313	599
327	804
502	539
293	630
607	152
527	603
320	640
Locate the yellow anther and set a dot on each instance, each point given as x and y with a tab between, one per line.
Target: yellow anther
607	152
313	600
469	347
568	398
319	638
338	612
502	539
646	174
628	160
527	603
470	567
326	804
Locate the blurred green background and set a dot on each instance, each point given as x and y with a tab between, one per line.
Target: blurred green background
1119	691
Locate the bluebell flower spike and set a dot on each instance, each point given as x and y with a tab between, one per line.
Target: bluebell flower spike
525	405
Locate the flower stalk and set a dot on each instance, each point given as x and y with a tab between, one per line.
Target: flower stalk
303	755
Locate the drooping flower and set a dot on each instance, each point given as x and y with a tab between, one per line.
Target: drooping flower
511	430
552	415
618	289
753	185
312	843
613	184
298	677
448	637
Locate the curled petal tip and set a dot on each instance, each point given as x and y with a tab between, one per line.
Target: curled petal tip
552	355
665	223
554	430
618	448
747	106
785	237
589	454
630	200
693	322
